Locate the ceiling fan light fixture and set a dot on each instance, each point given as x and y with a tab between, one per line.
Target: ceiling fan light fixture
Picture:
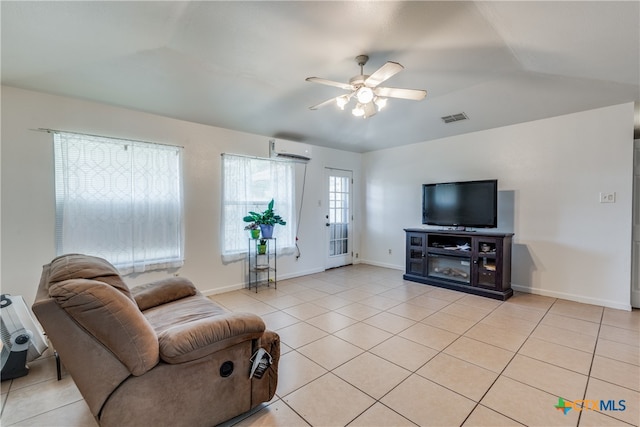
364	95
380	102
370	96
342	101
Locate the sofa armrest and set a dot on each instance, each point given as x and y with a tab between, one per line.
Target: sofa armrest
162	291
202	337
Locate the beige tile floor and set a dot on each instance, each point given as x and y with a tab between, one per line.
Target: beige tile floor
362	347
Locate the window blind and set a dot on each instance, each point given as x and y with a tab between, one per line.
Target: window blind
119	199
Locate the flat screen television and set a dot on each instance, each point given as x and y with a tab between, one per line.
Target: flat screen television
469	204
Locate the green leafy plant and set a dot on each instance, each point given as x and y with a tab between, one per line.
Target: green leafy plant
254	230
267	217
261	247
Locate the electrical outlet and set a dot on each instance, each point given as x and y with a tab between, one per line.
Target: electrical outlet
608	197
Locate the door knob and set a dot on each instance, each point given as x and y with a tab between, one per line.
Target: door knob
327	224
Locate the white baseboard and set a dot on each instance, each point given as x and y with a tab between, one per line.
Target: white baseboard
572	297
301	273
381	264
237	286
223	289
537	291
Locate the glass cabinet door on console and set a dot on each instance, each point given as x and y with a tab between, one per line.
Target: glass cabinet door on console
416	253
485	262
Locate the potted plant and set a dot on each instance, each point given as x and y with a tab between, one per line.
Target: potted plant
266	220
254	229
261	248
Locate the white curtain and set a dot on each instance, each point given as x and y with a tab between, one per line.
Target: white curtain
249	184
120	200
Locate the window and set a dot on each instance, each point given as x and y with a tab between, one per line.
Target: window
249	184
120	200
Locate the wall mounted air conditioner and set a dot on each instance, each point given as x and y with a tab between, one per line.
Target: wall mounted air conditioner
22	340
289	150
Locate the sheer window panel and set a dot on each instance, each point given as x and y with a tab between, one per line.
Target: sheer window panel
249	184
120	200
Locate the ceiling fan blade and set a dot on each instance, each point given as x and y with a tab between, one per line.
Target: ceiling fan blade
394	92
322	104
345	86
383	73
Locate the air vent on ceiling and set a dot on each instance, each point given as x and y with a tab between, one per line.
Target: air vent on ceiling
454	118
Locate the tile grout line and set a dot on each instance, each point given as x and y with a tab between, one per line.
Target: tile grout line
6	396
586	387
421	321
414	372
593	356
505	368
378	400
439	352
19	422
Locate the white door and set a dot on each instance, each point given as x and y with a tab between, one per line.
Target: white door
339	218
635	251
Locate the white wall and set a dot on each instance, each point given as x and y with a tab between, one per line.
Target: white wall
28	214
550	173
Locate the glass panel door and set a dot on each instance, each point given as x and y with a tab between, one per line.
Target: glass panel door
339	218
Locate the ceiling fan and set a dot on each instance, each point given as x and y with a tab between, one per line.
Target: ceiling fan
370	96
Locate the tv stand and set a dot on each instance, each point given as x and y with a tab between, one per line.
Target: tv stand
474	262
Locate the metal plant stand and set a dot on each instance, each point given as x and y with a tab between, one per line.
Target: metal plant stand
262	266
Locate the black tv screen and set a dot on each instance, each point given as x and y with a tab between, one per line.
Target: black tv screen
472	204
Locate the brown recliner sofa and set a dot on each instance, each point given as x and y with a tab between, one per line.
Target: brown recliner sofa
160	354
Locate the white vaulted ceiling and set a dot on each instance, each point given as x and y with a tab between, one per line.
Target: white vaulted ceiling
242	65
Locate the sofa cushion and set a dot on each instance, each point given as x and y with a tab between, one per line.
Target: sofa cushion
184	310
193	327
77	266
112	318
163	291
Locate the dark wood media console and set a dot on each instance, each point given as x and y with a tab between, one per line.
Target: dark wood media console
469	261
